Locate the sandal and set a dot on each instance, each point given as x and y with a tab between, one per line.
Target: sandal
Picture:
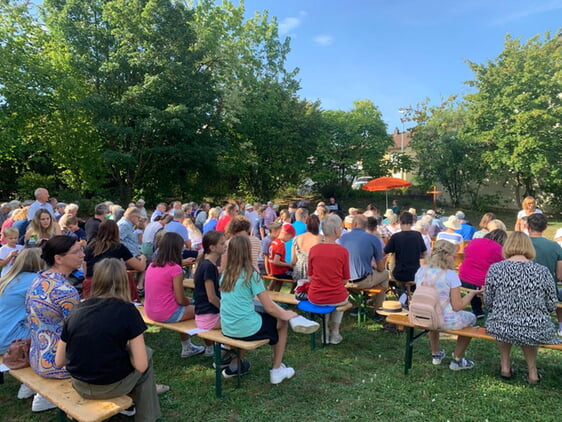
507	377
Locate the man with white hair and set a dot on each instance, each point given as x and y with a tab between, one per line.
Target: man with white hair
140	205
41	201
127	234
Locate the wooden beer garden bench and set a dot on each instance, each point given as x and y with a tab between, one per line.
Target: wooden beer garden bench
412	338
215	336
62	394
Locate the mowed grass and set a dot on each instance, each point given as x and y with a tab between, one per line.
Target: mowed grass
360	379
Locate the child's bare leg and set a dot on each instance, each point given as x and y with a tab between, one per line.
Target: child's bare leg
279	348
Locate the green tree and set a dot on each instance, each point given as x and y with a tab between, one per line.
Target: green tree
351	143
146	100
265	125
446	151
517	110
27	76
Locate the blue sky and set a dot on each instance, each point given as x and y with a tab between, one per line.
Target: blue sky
397	53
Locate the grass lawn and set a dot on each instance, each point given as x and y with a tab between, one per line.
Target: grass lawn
360	379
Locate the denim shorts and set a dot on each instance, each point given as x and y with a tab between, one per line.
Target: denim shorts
177	315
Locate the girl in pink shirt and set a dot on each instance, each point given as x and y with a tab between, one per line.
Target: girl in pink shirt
165	299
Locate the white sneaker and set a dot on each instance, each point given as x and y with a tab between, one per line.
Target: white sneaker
335	338
301	325
189	349
25	392
278	375
209	351
438	358
40	404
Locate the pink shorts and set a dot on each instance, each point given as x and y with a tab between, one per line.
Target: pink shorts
207	321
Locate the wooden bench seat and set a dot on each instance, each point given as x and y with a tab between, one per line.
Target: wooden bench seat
411	337
214	336
63	395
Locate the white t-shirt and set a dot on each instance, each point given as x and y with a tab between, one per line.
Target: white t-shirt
558	235
522	213
4	252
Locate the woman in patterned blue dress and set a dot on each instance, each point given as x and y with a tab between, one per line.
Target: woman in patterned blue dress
520	297
49	300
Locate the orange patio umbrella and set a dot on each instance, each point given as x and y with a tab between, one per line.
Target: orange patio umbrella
385	184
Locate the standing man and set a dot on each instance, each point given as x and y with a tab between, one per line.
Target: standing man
549	254
252	215
41	201
93	224
140	205
270	215
363	248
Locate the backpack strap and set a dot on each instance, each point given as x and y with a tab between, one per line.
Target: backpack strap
432	279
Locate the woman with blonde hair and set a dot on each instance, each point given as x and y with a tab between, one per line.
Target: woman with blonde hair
42	228
486	218
102	344
529	206
440	273
194	233
520	296
212	220
13	288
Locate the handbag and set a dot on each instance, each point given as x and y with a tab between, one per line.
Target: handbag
301	292
17	355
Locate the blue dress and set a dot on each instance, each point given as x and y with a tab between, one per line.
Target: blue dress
49	301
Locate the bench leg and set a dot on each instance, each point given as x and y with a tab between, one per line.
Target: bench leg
218	369
1	377
61	416
411	339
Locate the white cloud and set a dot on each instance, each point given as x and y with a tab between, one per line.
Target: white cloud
323	40
290	23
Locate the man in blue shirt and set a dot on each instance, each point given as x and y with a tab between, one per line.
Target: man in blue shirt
363	248
127	234
176	226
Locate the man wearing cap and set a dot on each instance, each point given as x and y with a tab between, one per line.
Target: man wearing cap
435	225
278	265
41	201
363	248
252	215
467	230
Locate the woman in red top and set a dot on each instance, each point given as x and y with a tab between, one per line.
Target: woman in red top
328	269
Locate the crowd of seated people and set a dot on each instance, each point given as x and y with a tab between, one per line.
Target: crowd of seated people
44	242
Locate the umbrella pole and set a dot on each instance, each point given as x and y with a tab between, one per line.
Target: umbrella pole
386	191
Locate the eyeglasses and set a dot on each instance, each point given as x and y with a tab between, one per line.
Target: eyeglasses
74	252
